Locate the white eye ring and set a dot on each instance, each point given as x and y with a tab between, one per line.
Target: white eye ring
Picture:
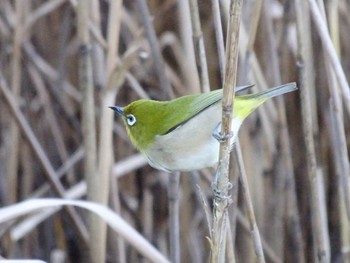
130	119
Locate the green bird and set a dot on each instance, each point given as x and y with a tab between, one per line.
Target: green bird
178	135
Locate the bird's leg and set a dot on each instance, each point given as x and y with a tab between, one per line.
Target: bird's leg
218	135
221	137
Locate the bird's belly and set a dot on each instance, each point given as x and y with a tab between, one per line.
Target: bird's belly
191	146
185	155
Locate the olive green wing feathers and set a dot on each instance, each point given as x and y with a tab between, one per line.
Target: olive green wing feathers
188	107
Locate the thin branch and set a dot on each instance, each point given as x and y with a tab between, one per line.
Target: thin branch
221	181
174	225
219	37
96	245
16	74
320	236
199	48
249	206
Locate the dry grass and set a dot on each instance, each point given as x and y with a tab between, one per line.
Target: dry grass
56	133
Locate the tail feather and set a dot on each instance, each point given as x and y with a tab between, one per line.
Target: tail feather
273	92
246	104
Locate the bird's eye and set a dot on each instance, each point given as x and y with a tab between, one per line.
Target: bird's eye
130	119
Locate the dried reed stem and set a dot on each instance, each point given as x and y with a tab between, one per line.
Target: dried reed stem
199	48
249	206
13	153
189	70
317	204
174	225
96	248
285	177
221	181
338	137
219	37
100	192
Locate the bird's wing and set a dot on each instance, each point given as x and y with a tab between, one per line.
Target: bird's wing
188	107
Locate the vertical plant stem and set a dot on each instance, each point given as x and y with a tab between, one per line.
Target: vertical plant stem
219	37
286	204
249	206
98	57
336	110
155	49
104	158
221	54
189	68
119	253
88	123
199	48
221	181
338	137
174	225
254	26
320	237
13	154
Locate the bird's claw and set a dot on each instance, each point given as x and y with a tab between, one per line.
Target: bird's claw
218	195
221	137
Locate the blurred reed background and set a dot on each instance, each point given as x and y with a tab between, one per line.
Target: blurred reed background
56	129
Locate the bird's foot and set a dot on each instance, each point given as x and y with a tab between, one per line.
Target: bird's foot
221	137
218	195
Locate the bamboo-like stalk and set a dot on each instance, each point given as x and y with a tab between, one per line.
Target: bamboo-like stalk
277	213
337	128
258	248
254	26
336	106
285	177
338	137
319	234
293	229
221	50
199	48
189	70
174	225
100	191
221	180
96	253
98	56
219	37
13	152
120	252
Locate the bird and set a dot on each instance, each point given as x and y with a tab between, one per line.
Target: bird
182	134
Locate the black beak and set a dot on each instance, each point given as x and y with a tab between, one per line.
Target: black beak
119	110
